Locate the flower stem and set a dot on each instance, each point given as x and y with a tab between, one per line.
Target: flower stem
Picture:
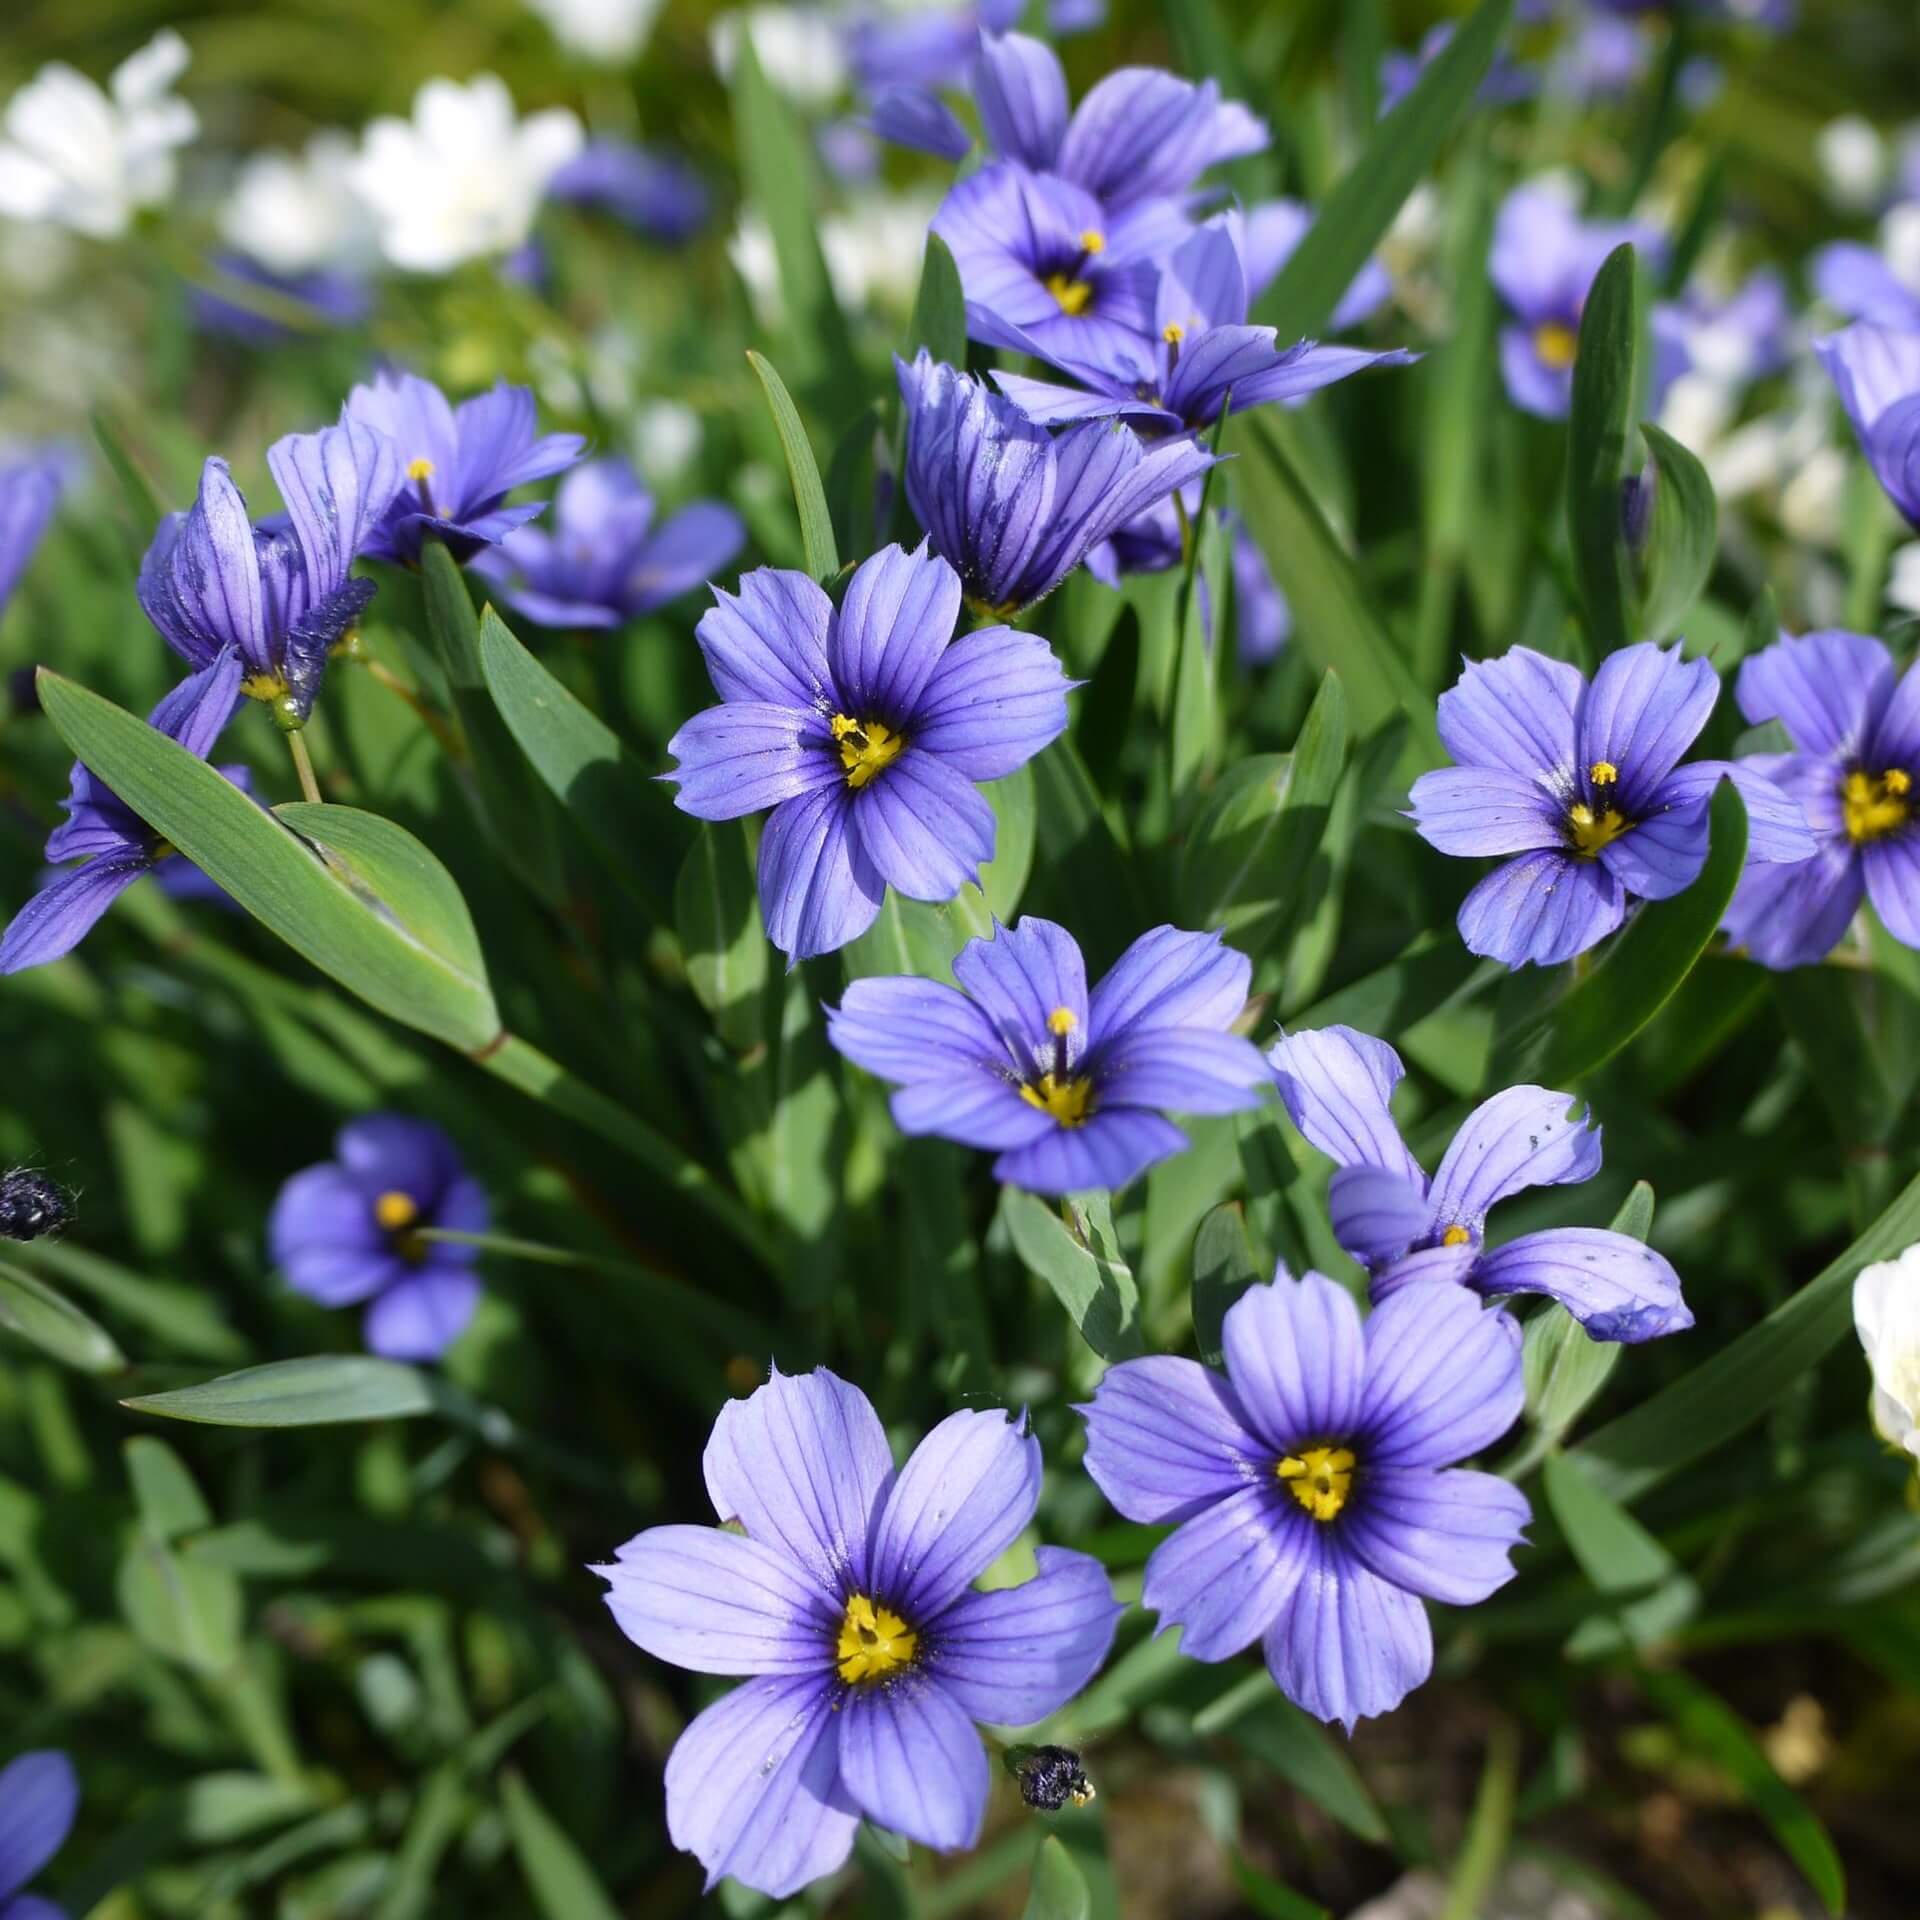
303	766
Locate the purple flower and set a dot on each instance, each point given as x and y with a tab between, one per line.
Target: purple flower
606	561
113	844
1067	1087
349	1230
1543	262
849	1602
1876	371
1583	784
1742	338
1202	355
1013	507
1269	233
657	194
1507	81
1263	622
1858	283
1404	1229
459	463
915	118
281	593
865	729
39	1796
1855	727
331	297
29	493
1313	1487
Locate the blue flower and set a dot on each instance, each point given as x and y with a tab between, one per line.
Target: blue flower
1876	371
39	1796
330	296
657	194
29	493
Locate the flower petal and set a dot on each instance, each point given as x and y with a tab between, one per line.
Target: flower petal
1376	1215
905	1029
1111	1149
924	826
995	698
200	581
769	640
337	485
1892	871
397	1150
1541	908
1522	1137
1825	688
39	1795
1336	1083
56	919
1645	708
912	1762
1485	810
894	623
1516	713
747	755
196	712
1297	1360
1792	916
818	889
1443	1533
1020	89
1021	978
1170	979
977	1106
1181	1069
1225	1574
1617	1288
1443	1377
421	1314
693	546
1142	131
323	1233
1167	1437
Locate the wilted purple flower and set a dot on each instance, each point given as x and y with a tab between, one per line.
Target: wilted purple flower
1013	507
1855	769
849	1601
1069	1089
114	845
29	493
605	561
1876	372
657	194
1583	783
329	296
282	593
1313	1485
39	1795
1408	1231
349	1230
1201	356
865	729
459	463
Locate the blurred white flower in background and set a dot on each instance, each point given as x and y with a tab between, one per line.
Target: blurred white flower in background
1854	162
464	177
298	212
1903	579
666	441
1886	1315
873	250
612	31
88	158
802	52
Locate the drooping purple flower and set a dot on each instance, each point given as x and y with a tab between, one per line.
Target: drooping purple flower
849	1602
1855	769
349	1230
1583	784
865	729
605	561
1313	1484
114	845
1409	1232
39	1795
329	296
658	195
1876	372
29	493
1070	1089
1201	357
459	463
281	593
1011	506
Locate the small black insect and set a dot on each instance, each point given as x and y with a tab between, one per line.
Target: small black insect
31	1205
1050	1777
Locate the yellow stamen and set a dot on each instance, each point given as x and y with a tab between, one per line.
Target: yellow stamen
396	1211
1603	773
1556	345
1068	1100
420	469
1895	780
1455	1236
867	747
1589	833
264	686
1062	1021
1092	240
1173	333
1072	294
1875	805
874	1642
1320	1478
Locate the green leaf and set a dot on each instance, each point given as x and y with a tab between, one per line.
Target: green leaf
717	912
1489	1829
1300	1750
1058	1889
1681	536
564	1885
184	1611
1583	1029
1563	1366
1398	156
1193	734
143	506
1267	1897
321	1390
1622	1559
184	1317
1597	450
1082	1265
48	1320
1088	883
315	908
1712	1729
1016	830
939	320
809	496
170	1503
1224	1267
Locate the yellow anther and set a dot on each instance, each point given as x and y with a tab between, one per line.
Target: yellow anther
874	1642
263	686
1068	1100
1320	1478
420	469
1073	295
1556	345
1873	806
1455	1236
1173	333
396	1211
1092	240
1603	773
867	747
1062	1021
1591	832
1896	780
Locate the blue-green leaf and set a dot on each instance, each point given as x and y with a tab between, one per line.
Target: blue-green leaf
809	496
1597	450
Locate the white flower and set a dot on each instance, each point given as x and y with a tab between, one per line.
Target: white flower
464	177
297	212
1853	161
799	50
1903	583
666	439
872	250
1900	242
1886	1315
88	159
612	31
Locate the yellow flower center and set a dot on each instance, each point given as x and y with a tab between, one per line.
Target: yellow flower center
1590	832
1455	1236
1555	344
1092	240
1062	1021
420	469
1173	333
1875	805
396	1211
874	1642
1072	294
264	686
1603	773
1320	1478
1068	1098
867	747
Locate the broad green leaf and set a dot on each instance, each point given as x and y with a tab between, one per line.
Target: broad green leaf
1301	1752
1713	1730
1224	1267
143	507
1016	829
1058	1889
170	1503
1435	970
939	320
809	496
907	936
184	1611
1397	157
47	1319
1489	1829
1268	1898
1087	883
1841	1019
1083	1266
320	1390
1597	450
185	1318
1563	1367
1681	536
1105	705
1583	1029
277	879
717	913
1627	1565
564	1885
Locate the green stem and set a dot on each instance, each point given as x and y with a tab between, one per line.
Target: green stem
303	766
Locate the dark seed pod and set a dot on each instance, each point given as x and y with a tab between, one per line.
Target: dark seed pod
1050	1777
31	1205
